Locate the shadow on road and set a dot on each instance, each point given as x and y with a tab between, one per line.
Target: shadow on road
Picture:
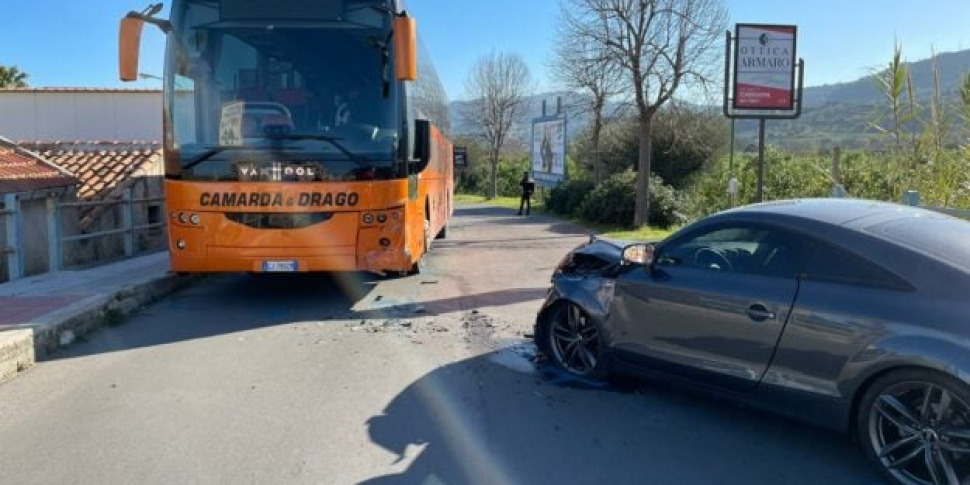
231	303
479	421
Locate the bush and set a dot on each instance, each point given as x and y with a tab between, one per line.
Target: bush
566	198
614	202
944	181
477	180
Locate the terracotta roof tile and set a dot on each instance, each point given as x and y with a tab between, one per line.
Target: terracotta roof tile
104	169
23	171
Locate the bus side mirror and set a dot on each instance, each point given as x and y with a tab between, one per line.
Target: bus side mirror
129	45
422	143
406	48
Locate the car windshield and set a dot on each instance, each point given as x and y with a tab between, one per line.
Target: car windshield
248	95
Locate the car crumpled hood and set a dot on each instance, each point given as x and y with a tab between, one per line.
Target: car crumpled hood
605	249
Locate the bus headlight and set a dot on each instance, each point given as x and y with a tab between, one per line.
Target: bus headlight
183	218
181	244
368	218
382	218
195	219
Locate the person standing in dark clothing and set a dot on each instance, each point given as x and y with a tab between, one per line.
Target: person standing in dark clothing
528	188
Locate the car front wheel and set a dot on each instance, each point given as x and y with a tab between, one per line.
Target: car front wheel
572	341
915	425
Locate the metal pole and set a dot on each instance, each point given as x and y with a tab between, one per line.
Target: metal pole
761	160
836	165
15	267
128	223
54	233
731	157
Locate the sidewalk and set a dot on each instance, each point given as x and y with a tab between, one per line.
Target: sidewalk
43	313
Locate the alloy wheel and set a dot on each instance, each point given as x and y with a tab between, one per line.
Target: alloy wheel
920	432
575	341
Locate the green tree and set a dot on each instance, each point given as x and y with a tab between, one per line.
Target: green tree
12	77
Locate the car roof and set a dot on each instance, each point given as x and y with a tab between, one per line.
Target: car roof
840	212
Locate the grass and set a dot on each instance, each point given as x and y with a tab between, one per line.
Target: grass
609	231
642	234
506	202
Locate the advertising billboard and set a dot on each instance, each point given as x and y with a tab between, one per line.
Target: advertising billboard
764	67
549	151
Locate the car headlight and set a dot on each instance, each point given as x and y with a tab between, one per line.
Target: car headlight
564	264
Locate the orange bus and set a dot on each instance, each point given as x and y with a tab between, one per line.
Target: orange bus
299	135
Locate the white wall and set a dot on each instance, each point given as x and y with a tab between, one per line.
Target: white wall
61	115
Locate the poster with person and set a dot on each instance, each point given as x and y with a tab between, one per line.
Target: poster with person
549	151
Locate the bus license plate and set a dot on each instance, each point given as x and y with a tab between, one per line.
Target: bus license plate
280	266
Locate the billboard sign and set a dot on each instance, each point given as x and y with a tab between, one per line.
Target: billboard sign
549	151
461	157
764	67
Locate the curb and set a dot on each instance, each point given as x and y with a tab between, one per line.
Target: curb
20	349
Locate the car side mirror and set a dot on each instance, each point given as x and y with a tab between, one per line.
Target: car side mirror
638	254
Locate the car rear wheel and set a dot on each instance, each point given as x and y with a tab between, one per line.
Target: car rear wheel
915	425
572	341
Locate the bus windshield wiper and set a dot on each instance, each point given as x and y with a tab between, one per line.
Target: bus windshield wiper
213	151
331	140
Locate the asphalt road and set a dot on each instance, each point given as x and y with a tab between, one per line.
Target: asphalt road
356	379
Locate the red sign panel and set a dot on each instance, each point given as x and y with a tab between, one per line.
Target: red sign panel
764	67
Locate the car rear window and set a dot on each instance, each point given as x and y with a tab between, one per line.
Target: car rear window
946	238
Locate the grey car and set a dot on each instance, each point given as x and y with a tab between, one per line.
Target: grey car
850	314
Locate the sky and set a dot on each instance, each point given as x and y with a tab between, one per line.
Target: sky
74	42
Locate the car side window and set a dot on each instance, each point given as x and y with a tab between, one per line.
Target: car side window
829	264
737	249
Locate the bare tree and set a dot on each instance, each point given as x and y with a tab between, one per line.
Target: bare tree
498	86
582	64
12	77
662	45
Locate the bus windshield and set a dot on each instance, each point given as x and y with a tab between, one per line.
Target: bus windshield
289	96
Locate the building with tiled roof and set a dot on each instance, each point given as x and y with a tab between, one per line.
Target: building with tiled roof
95	172
22	171
29	187
106	170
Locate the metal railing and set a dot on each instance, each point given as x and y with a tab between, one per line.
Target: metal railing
12	251
128	228
12	221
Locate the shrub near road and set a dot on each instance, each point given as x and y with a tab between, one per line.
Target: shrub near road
942	181
612	202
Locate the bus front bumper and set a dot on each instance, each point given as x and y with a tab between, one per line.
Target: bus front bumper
335	260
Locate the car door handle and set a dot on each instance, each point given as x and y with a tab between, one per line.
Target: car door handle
759	313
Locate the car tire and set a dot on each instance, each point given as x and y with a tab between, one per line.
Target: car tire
556	337
443	233
914	425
